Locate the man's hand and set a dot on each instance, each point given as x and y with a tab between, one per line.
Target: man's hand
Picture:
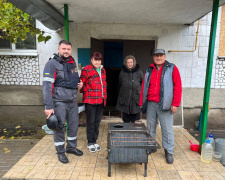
173	109
80	84
48	112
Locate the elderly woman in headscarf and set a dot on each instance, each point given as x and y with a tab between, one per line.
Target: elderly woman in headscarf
130	80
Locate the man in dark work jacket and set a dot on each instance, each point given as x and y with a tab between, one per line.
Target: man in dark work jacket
60	85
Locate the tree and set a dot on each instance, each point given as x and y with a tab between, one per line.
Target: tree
14	24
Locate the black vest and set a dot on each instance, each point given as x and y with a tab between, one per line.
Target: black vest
71	77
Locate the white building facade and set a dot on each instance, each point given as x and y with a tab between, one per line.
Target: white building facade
25	67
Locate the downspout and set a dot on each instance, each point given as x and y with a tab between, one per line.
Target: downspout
209	72
196	42
66	21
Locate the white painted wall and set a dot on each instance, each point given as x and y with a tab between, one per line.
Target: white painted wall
45	51
192	65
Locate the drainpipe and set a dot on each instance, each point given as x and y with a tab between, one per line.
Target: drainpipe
196	42
66	22
209	72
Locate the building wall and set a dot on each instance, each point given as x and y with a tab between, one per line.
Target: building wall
19	70
222	33
192	65
46	50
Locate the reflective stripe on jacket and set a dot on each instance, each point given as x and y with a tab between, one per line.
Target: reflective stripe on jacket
66	89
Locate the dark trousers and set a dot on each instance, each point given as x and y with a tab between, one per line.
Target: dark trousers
94	115
130	117
66	111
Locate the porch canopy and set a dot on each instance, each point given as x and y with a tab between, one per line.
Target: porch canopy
50	12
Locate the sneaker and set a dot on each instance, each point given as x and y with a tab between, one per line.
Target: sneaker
97	147
91	148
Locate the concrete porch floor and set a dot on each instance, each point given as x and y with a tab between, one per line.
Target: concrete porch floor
41	162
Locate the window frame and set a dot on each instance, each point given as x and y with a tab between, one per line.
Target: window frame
19	52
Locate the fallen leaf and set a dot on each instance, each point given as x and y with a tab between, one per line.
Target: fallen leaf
2	137
31	168
12	137
46	164
6	150
17	127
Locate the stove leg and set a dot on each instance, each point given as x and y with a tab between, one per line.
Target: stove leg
145	175
109	169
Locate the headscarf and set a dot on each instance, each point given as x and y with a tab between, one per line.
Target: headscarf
129	57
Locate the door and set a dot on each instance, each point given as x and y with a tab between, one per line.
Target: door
113	55
141	50
97	45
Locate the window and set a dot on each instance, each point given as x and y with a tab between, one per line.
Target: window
4	44
29	43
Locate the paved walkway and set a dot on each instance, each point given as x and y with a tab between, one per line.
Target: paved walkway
41	162
11	151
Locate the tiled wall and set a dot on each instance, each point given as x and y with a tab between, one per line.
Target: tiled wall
220	73
19	70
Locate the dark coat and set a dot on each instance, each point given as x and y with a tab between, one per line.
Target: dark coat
130	88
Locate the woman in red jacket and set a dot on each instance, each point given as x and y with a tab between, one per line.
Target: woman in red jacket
93	77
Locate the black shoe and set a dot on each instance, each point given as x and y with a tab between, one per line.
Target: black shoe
75	151
169	157
63	158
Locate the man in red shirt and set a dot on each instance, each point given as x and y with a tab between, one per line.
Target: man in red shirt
160	98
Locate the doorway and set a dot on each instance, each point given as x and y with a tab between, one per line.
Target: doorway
114	51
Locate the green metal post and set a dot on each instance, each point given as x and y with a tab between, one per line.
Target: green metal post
66	22
66	19
209	72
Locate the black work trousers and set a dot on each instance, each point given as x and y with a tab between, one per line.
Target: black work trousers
94	116
66	111
127	118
